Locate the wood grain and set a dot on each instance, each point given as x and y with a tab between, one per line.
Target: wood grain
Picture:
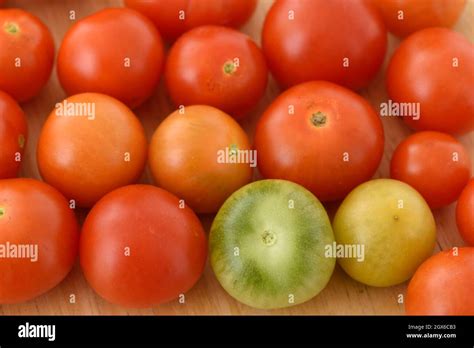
342	296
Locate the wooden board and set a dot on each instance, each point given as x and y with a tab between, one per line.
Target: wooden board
342	296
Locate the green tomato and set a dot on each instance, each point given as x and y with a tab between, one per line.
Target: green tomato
393	224
268	243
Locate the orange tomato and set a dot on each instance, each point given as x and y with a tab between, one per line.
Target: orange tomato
322	136
116	51
341	41
420	71
26	54
216	66
91	144
185	154
435	164
443	285
13	134
139	248
37	218
465	213
404	17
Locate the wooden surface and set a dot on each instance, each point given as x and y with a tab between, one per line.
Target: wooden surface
342	295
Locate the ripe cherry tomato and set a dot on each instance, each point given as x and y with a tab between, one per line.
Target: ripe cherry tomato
116	51
435	164
322	136
36	223
443	285
173	18
404	17
91	144
465	213
339	41
216	66
187	164
13	134
140	248
26	54
423	67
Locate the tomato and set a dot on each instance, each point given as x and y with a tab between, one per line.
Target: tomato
13	134
465	213
322	136
268	245
216	66
339	41
163	257
91	144
196	168
173	18
39	239
404	17
435	164
394	226
443	285
115	51
419	71
26	54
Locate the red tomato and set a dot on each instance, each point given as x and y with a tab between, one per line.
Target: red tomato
339	41
89	145
115	51
404	17
26	54
173	18
465	213
435	164
13	134
187	164
216	66
322	136
435	67
36	219
163	257
443	285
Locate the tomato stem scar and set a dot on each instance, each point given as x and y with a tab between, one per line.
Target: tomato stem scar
318	119
2	212
11	28
229	67
269	238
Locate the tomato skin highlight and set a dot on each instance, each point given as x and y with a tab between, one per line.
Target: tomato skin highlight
187	165
300	49
25	37
85	157
167	15
419	14
13	135
465	213
167	247
116	51
422	67
443	285
200	69
329	158
34	213
435	164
